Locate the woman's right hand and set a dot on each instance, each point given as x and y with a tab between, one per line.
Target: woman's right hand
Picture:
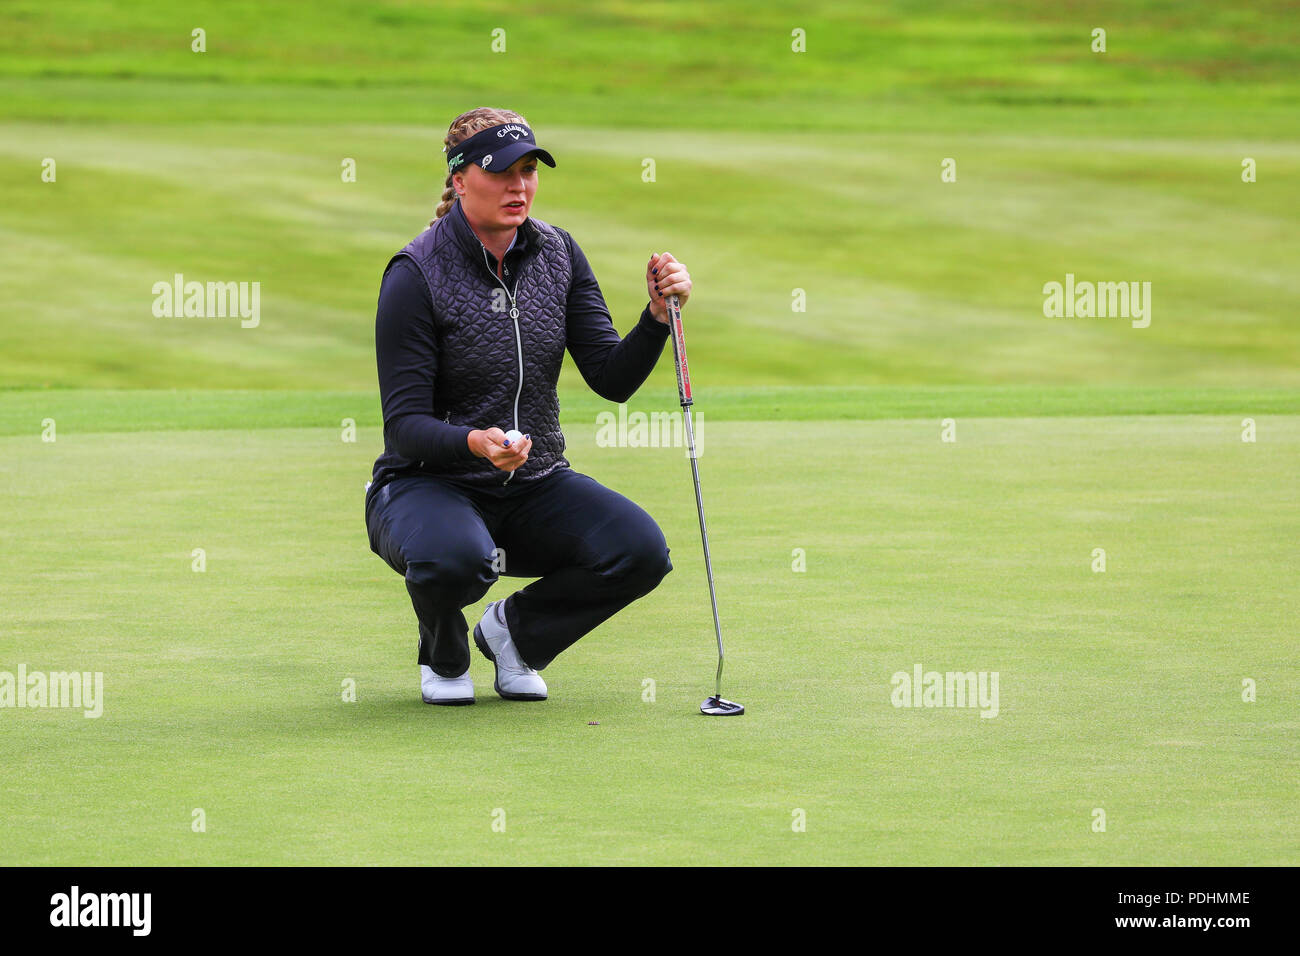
489	443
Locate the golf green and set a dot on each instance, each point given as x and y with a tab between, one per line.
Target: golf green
844	553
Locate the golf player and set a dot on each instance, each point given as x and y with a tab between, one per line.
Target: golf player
473	320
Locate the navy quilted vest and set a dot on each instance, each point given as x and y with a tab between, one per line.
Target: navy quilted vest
487	328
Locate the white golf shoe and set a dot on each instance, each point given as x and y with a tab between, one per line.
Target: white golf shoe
515	680
436	689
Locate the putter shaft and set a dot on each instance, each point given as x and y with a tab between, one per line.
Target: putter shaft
684	394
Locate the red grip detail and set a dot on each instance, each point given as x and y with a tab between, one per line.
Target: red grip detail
683	373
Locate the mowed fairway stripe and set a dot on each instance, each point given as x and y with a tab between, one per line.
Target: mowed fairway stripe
877	273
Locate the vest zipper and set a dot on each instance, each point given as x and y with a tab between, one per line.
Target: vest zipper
519	345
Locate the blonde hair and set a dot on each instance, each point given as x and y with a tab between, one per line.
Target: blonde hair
462	128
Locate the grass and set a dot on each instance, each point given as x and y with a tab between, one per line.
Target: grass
1119	690
907	281
225	166
780	178
123	410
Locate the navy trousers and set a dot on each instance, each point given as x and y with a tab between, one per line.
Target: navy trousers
593	551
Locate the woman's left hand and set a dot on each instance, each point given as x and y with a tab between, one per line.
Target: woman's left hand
665	276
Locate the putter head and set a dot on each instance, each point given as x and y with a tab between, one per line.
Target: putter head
718	707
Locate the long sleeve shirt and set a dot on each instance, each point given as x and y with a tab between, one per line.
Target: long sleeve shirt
406	353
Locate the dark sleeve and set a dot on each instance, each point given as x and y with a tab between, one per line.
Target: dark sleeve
407	355
613	367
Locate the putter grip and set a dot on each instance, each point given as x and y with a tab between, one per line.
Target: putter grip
679	351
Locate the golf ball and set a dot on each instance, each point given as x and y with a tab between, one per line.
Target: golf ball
514	437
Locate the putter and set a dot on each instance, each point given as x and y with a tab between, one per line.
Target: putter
715	706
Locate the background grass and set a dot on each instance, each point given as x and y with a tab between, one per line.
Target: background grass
775	171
